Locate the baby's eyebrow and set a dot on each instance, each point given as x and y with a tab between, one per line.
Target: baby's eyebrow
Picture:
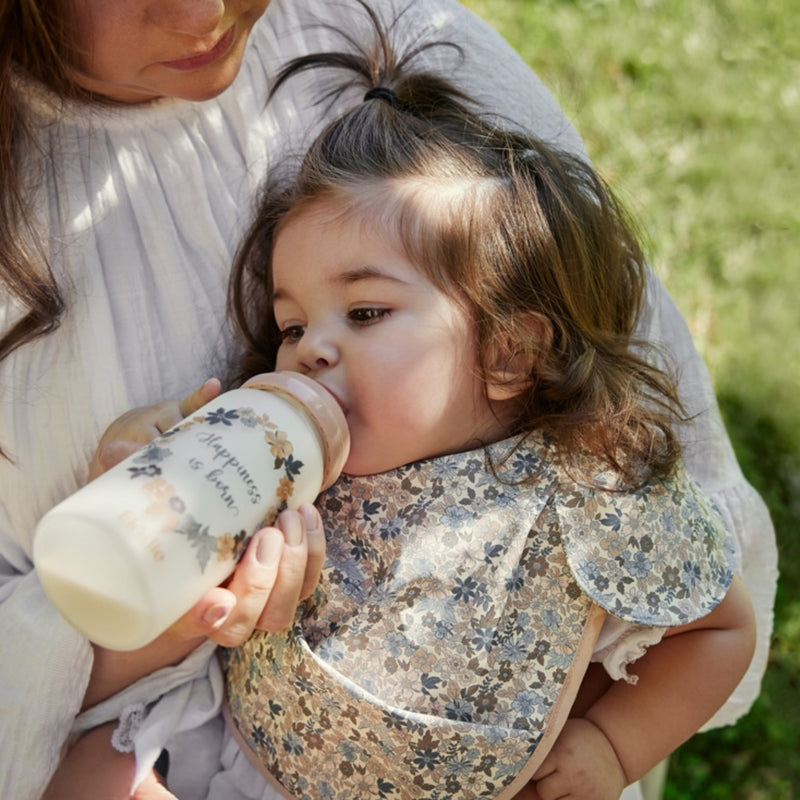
348	277
365	273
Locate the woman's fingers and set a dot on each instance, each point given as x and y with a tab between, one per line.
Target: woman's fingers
166	415
109	455
141	425
276	571
315	545
199	397
271	577
301	560
252	586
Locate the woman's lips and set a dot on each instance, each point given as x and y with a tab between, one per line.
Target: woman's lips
203	59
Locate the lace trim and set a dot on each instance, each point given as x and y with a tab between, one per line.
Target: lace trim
130	720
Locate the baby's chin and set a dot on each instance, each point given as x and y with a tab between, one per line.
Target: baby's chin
356	466
360	470
360	465
362	460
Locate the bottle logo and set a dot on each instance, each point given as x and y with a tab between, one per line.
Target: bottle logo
226	476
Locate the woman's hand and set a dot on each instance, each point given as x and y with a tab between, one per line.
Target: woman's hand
280	567
141	425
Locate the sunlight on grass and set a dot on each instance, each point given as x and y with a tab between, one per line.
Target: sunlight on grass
691	110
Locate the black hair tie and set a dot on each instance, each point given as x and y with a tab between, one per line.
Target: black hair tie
382	93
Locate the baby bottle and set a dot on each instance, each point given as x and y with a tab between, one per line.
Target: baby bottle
131	552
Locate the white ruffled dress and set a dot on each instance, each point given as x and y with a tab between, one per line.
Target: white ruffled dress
140	210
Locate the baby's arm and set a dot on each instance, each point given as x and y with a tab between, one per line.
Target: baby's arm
629	729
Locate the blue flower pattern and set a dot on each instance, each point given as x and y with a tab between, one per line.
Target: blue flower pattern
430	660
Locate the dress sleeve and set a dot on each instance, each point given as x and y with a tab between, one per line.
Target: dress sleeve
659	556
46	662
711	461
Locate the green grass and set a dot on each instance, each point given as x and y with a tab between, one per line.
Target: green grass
691	109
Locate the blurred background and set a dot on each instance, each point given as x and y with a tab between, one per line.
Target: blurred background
691	110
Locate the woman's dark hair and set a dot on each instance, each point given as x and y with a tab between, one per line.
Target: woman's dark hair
529	238
34	39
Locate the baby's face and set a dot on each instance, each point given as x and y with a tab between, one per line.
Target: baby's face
138	50
398	353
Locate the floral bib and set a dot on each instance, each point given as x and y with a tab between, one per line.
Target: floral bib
456	616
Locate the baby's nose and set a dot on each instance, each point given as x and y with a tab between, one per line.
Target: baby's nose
316	351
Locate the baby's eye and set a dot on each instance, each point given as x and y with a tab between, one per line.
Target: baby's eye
366	316
292	334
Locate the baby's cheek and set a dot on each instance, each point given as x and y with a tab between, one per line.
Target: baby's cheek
284	359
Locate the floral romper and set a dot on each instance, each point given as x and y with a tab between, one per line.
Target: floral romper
456	617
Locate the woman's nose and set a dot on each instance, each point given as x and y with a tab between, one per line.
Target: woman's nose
192	17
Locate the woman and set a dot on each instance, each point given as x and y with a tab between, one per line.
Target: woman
136	134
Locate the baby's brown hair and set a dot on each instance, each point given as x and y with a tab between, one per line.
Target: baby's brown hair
529	238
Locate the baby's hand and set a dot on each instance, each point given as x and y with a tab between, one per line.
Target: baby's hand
140	425
582	765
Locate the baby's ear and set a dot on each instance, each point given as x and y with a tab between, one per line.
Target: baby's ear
511	365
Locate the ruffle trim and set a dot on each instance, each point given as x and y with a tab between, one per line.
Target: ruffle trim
631	645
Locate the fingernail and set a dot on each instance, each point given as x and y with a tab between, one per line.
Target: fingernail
268	549
309	515
217	613
292	526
